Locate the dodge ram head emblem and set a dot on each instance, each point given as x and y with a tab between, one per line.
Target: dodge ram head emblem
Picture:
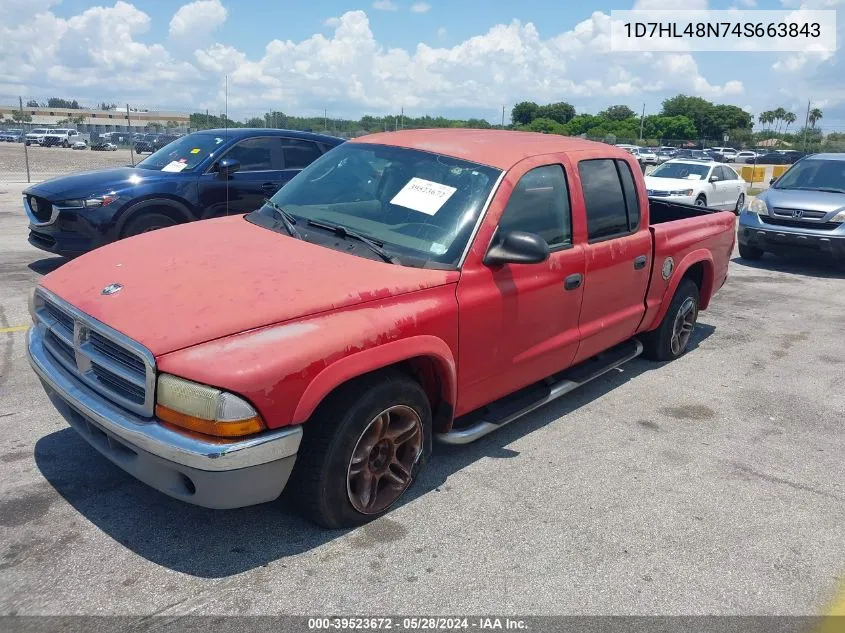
112	289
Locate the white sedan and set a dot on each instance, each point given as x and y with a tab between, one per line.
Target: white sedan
699	182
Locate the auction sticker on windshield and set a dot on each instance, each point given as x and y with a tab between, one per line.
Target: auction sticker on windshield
175	166
424	196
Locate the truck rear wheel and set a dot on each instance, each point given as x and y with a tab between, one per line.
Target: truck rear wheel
671	338
362	449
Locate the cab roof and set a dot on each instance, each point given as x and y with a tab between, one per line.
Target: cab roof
496	148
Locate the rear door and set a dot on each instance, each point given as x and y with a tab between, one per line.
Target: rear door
617	253
733	186
260	176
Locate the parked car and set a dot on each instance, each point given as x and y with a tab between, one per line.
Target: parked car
103	145
35	136
60	137
774	158
391	294
153	142
715	156
746	156
729	153
79	145
804	210
696	154
704	184
11	136
202	175
665	153
644	155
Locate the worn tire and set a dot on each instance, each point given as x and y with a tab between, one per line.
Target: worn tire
145	223
657	344
319	479
700	201
751	253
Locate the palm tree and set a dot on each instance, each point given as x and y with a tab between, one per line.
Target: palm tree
815	115
780	115
789	117
763	118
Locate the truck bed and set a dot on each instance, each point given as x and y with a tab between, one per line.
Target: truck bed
661	211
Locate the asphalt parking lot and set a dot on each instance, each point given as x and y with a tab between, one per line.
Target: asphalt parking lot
711	485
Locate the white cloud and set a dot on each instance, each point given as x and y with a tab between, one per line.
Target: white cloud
198	18
441	32
420	7
385	5
643	5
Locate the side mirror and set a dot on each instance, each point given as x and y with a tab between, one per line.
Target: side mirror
714	179
517	247
227	167
772	181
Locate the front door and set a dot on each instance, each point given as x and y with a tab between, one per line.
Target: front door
519	322
617	253
260	176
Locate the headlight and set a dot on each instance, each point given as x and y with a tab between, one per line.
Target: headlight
95	201
757	206
681	192
839	217
204	409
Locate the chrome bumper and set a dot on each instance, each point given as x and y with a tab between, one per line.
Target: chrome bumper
150	436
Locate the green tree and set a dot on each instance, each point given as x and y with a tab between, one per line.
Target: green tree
698	110
56	102
255	122
815	115
547	126
32	103
524	112
617	113
21	117
728	117
560	112
789	117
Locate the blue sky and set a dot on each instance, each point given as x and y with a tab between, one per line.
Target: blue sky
437	57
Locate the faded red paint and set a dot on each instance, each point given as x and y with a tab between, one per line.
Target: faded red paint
283	322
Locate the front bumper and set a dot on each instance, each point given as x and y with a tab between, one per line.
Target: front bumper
208	473
773	238
70	231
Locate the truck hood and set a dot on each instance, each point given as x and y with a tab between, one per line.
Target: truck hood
94	183
670	184
200	281
804	199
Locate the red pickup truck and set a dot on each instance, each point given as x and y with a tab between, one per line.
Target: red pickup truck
404	287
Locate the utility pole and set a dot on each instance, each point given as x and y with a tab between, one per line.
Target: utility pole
503	117
806	123
326	120
402	118
25	150
129	128
206	119
642	120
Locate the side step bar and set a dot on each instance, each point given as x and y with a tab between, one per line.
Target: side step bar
543	393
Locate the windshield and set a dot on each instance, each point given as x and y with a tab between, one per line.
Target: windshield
416	204
685	171
814	174
183	154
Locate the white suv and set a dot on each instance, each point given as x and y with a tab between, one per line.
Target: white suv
35	136
65	138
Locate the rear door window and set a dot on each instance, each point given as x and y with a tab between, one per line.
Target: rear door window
604	199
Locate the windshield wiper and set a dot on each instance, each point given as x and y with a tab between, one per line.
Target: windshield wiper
287	219
344	232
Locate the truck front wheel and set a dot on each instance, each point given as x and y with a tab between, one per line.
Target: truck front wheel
362	449
671	338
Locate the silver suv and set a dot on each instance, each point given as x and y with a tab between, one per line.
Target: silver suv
804	209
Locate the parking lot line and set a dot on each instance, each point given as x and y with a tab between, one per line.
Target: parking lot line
14	328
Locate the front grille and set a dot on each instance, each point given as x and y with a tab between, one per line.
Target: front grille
41	208
805	214
105	360
801	224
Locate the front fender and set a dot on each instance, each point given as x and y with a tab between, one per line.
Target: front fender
375	358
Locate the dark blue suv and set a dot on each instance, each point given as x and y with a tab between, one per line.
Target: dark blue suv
202	175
